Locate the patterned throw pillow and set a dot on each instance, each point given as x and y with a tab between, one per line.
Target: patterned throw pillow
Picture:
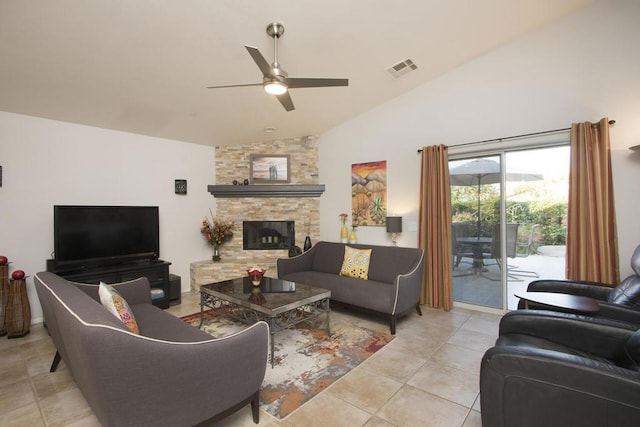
356	263
113	301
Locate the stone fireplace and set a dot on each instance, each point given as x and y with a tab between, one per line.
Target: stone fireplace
232	163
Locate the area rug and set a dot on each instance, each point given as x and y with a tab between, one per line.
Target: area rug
307	361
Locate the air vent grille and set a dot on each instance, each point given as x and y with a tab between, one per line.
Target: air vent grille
402	68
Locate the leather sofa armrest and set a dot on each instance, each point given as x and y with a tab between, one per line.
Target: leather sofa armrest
601	337
599	291
621	313
550	388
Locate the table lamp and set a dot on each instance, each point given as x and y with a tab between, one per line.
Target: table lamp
394	226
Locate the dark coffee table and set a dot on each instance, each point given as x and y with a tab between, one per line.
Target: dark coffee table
280	303
565	302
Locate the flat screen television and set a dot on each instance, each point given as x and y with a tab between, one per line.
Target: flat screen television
105	235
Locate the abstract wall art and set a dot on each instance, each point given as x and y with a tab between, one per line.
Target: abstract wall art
369	193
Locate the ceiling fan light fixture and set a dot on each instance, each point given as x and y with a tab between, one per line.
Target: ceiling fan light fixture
275	80
275	87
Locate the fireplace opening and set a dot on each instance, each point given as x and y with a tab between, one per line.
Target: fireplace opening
264	235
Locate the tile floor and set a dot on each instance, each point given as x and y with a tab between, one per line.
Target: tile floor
427	376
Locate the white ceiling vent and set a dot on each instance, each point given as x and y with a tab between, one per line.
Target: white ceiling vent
401	68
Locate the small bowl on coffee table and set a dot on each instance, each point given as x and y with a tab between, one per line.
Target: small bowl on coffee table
256	274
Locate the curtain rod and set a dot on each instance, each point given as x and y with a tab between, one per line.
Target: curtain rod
546	132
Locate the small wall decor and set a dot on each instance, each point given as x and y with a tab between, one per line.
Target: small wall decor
369	193
181	186
269	169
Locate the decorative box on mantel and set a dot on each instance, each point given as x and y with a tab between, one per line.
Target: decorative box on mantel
264	190
203	272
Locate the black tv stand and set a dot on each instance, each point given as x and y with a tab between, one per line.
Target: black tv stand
157	271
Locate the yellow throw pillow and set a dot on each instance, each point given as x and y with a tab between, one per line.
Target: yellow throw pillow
356	263
113	301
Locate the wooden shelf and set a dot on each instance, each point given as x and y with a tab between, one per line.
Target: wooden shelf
278	190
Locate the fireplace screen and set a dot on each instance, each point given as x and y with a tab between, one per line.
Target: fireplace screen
263	235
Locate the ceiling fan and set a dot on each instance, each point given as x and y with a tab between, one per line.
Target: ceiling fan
275	80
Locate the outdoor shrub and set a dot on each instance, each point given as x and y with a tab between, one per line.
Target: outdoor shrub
550	215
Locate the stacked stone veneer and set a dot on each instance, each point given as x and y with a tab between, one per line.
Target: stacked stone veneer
232	163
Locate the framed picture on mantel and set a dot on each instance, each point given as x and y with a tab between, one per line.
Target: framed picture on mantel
269	168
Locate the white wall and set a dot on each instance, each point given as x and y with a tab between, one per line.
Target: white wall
583	67
46	162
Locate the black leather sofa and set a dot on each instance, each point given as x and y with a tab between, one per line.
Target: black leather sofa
555	369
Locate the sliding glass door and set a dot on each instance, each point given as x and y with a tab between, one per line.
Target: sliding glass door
475	201
508	213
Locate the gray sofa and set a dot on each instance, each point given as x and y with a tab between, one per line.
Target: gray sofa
392	288
172	374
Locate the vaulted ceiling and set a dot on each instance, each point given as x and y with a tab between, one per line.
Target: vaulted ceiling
143	66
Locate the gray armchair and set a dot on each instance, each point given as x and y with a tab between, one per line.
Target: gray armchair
621	302
171	374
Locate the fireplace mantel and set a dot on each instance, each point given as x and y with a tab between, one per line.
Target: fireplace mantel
265	190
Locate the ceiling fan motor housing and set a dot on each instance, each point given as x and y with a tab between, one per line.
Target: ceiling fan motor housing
275	29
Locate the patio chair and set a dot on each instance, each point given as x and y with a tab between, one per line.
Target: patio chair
460	250
527	245
513	272
496	247
513	269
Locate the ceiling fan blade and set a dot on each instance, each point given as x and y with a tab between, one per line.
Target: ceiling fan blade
285	100
239	85
293	82
262	63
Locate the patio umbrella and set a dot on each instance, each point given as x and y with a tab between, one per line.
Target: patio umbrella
485	171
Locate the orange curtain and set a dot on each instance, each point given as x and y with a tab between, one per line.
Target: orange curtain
592	242
435	227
